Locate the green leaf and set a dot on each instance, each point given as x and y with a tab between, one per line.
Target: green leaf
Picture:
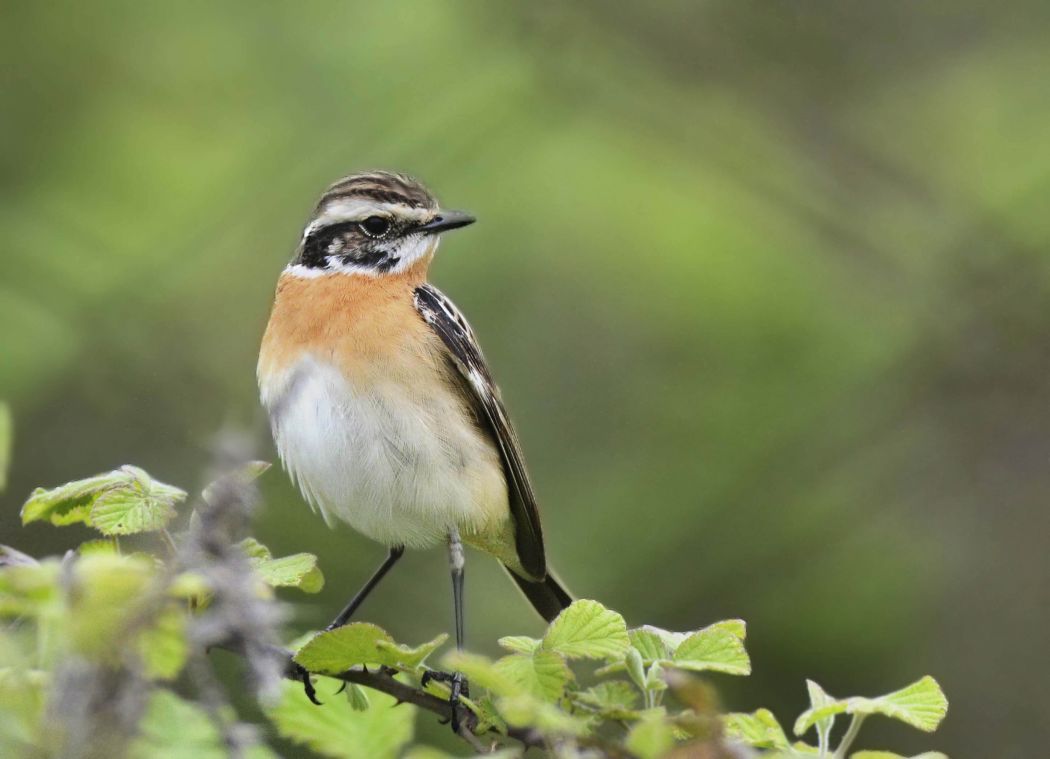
163	647
481	672
651	642
6	436
650	738
759	729
635	668
543	674
299	570
817	699
101	545
336	651
587	630
921	705
519	644
31	590
527	711
121	502
737	627
69	503
613	698
891	755
252	548
136	504
174	728
336	730
714	648
357	697
406	657
106	595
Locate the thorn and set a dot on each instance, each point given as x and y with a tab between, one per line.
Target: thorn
341	688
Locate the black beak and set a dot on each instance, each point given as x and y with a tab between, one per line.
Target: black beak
446	220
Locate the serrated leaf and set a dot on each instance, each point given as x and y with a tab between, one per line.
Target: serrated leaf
69	503
407	657
6	436
612	698
921	705
759	729
336	730
817	699
587	630
299	570
519	644
650	738
651	642
715	649
543	674
336	651
138	503
737	627
527	711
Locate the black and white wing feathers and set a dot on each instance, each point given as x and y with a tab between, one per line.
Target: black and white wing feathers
446	320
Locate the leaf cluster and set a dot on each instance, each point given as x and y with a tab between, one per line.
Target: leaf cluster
589	686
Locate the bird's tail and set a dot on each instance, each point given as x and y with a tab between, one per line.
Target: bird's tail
547	596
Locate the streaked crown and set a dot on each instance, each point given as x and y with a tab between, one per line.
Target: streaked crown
373	223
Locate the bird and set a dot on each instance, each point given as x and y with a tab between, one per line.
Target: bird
382	407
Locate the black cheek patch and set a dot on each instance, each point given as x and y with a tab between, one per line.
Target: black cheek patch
377	259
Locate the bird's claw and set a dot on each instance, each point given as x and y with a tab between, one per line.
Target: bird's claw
298	672
459	687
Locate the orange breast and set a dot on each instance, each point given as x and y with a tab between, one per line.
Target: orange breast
361	324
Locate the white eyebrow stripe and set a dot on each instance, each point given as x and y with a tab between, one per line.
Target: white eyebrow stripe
343	210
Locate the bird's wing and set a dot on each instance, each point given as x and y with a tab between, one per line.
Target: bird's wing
476	381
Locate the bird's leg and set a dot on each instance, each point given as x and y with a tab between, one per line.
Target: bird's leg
459	685
344	616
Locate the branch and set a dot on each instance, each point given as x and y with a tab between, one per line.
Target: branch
383	682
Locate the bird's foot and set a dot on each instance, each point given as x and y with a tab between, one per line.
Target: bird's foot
298	672
459	687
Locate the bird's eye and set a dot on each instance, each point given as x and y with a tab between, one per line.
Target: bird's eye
375	226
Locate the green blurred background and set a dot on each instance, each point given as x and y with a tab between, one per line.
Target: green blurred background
765	283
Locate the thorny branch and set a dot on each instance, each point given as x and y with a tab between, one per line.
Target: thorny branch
384	682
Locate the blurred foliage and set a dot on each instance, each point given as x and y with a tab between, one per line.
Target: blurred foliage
765	286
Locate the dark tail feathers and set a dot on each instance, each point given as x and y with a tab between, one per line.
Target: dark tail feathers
547	597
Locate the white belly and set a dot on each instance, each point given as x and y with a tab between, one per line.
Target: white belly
399	466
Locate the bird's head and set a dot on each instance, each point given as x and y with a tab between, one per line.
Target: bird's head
373	223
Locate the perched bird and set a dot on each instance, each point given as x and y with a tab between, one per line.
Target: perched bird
381	405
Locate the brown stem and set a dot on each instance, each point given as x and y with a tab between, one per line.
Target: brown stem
404	693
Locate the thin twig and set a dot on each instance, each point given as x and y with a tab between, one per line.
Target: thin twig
405	693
